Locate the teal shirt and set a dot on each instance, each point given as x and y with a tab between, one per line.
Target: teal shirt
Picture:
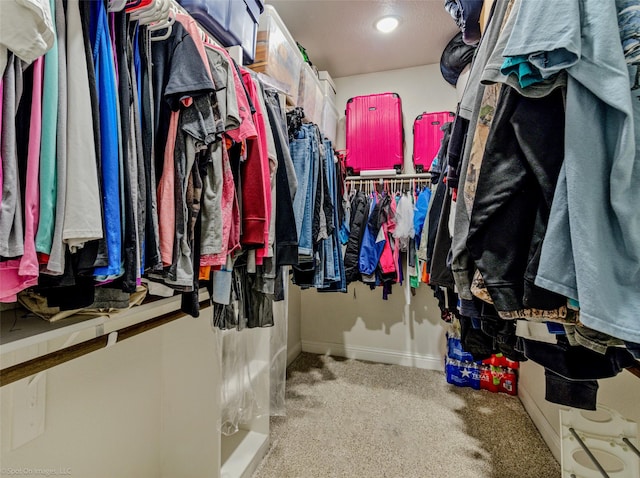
591	251
48	183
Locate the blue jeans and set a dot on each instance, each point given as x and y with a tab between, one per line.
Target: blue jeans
333	244
331	263
302	148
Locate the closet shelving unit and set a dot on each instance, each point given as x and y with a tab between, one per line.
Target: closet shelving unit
184	380
187	376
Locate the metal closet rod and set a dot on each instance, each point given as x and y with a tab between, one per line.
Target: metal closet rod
31	367
389	176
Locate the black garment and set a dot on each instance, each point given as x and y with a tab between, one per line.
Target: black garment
249	307
503	332
305	272
519	171
23	124
470	308
435	210
278	287
341	174
466	13
327	203
439	270
357	225
75	288
295	119
474	341
447	300
129	243
190	303
577	362
455	57
286	247
108	297
570	393
178	71
152	248
455	149
317	162
634	349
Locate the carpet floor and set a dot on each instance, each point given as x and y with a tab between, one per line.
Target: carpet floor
348	418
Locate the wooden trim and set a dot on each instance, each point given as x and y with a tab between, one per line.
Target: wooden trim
30	367
635	369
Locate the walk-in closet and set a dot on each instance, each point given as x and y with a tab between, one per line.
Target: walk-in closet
320	238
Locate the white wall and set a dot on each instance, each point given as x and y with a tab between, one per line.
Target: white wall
145	407
363	325
421	89
620	393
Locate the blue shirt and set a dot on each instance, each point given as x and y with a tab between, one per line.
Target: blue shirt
107	98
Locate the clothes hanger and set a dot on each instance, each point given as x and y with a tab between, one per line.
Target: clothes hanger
157	16
161	25
116	5
137	4
156	11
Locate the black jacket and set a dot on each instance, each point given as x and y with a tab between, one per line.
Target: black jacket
359	216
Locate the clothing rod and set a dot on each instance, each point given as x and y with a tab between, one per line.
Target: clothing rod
31	367
591	456
391	176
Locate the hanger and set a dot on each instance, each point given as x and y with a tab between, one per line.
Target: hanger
157	15
155	11
171	19
137	4
116	5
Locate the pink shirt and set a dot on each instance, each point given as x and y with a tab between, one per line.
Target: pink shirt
166	194
261	208
1	97
18	274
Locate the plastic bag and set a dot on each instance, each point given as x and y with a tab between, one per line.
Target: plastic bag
244	391
278	342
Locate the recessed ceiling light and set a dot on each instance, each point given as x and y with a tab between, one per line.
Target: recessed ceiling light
387	24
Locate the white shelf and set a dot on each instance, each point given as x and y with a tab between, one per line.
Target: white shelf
242	453
20	328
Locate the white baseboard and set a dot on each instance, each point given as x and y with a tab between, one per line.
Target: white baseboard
293	352
371	354
549	435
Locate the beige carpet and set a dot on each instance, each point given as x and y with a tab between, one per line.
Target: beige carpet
353	419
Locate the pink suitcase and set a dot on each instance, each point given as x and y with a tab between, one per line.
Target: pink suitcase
427	137
374	133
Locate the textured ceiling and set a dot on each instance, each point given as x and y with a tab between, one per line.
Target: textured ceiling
340	37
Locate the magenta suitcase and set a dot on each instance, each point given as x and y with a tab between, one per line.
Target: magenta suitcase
427	136
374	133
